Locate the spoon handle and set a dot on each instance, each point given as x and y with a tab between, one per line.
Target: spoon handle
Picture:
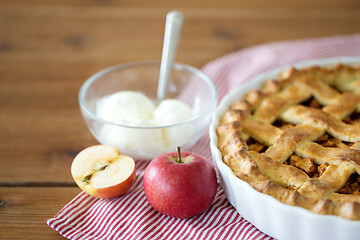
174	22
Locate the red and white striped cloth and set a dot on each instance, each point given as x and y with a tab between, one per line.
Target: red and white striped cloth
132	217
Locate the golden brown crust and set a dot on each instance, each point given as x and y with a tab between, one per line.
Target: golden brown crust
337	94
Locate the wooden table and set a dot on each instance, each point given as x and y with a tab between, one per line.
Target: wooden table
49	48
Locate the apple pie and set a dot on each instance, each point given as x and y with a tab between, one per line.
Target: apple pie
297	139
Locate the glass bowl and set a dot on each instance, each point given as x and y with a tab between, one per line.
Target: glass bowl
186	84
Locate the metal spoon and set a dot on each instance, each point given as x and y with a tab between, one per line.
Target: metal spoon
174	22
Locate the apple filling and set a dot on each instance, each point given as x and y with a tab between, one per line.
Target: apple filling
308	165
313	170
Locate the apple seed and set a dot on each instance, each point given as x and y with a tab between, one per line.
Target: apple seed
87	178
103	167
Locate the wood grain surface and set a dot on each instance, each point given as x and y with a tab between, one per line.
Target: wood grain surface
49	48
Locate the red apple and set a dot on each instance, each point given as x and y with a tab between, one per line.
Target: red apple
180	185
103	172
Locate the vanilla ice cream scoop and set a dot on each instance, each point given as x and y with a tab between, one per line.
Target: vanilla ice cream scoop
171	111
126	107
137	110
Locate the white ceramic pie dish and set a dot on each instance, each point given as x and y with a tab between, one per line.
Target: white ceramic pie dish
272	217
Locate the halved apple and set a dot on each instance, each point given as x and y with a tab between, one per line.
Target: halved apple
103	172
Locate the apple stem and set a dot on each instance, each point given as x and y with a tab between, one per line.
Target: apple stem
178	149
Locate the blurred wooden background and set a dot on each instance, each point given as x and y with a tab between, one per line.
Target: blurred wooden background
49	48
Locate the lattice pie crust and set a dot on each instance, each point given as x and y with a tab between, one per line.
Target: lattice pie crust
298	139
